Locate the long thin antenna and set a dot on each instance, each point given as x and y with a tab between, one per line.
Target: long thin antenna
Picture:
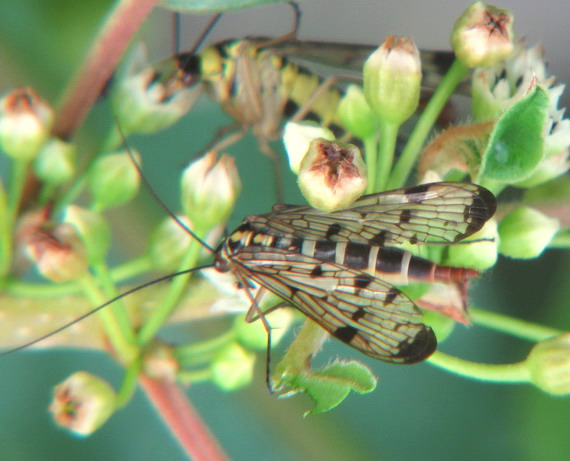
198	43
98	308
157	198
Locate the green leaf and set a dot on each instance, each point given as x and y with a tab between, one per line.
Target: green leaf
517	142
330	385
212	6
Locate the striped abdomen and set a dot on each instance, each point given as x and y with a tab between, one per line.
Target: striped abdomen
391	264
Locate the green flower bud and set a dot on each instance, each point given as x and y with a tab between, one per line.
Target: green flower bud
93	229
355	113
254	336
392	79
476	255
233	367
159	362
55	163
169	243
113	180
525	233
483	35
298	136
82	403
209	190
144	104
549	365
25	123
332	175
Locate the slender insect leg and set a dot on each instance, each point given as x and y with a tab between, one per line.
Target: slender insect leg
222	139
292	34
255	313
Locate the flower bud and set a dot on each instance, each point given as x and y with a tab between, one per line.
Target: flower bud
332	175
209	190
160	363
549	365
25	123
525	233
55	163
478	255
144	104
392	79
94	231
253	334
169	243
482	35
113	180
82	403
298	136
232	367
355	113
58	252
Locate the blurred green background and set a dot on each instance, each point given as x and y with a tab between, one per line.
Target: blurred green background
417	412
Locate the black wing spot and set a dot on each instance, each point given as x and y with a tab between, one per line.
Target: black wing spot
363	280
332	230
379	239
424	344
405	217
390	297
358	314
345	334
317	271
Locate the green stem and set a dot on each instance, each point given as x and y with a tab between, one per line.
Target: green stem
515	327
509	373
118	307
388	139
195	376
10	212
130	382
125	350
425	123
371	150
202	350
125	271
5	237
171	298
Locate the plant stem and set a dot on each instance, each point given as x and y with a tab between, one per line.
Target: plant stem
171	298
509	373
125	350
388	138
113	39
371	150
183	420
425	123
515	327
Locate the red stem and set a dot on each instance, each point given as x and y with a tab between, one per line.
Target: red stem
183	420
108	47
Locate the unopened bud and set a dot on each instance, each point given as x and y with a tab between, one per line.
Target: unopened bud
93	229
25	123
392	79
480	254
525	233
233	367
160	363
332	175
55	163
253	335
58	252
143	103
113	180
82	403
549	365
209	190
483	35
298	136
355	114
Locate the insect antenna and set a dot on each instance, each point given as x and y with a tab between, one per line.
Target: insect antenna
102	306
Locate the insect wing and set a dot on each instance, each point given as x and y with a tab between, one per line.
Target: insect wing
360	310
444	211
